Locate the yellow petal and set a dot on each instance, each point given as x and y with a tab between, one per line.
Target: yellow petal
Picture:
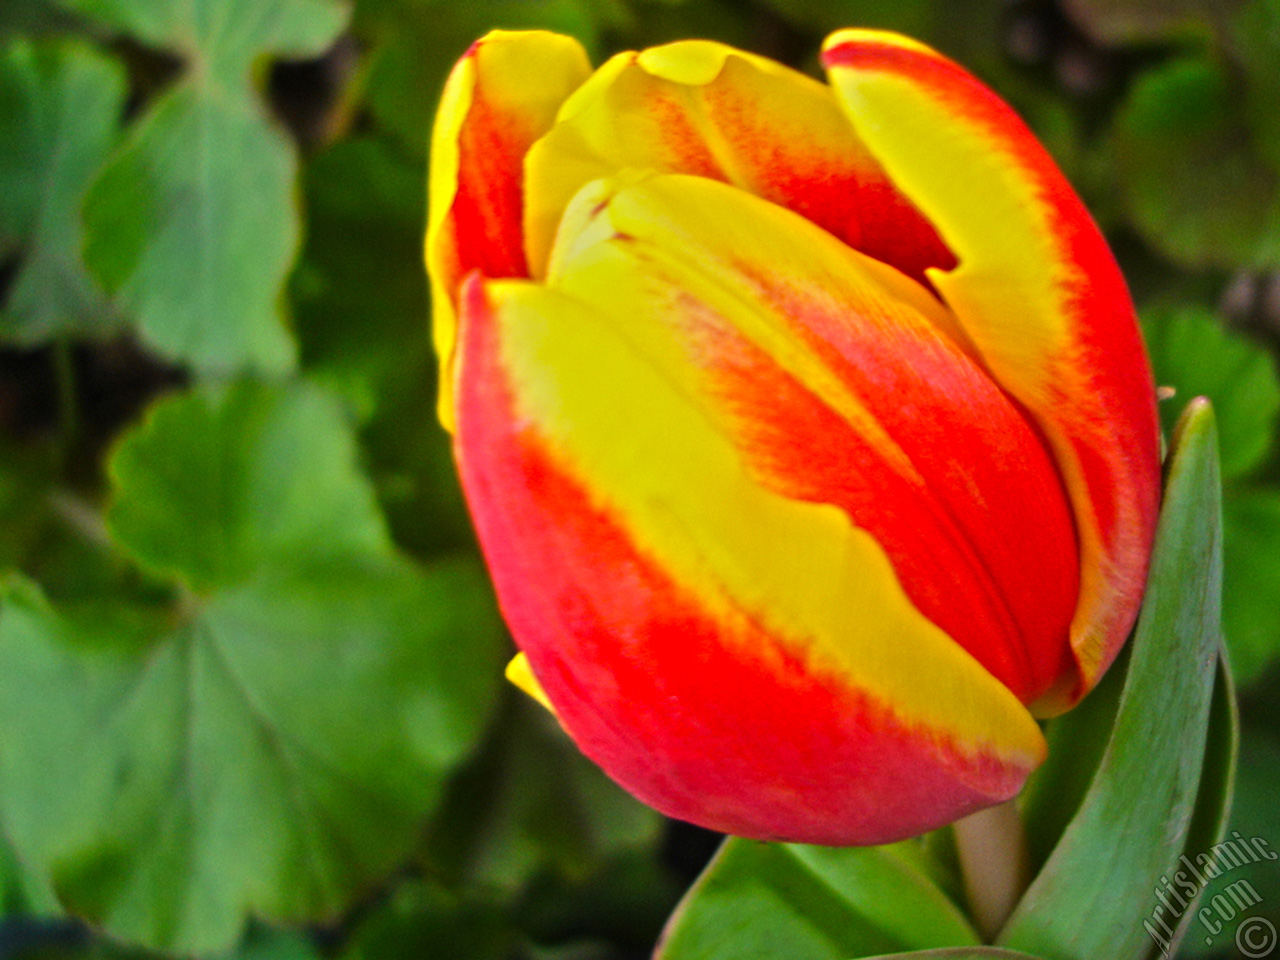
613	388
1038	294
502	95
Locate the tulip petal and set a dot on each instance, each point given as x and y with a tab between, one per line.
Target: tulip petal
733	651
706	109
1040	298
837	377
502	95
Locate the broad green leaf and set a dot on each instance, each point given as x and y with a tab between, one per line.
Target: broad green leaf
217	482
60	105
21	894
193	227
175	782
1137	816
1193	352
223	37
959	953
762	901
271	744
1191	178
1252	581
194	224
531	803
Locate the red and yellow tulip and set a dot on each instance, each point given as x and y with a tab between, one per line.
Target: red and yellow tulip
806	428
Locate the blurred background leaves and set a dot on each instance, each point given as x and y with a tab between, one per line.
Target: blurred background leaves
249	703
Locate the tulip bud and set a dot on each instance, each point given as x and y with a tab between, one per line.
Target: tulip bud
806	429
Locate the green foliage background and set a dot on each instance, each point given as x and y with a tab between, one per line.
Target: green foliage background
249	664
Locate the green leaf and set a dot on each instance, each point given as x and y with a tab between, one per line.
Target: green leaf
1251	517
59	109
1252	816
959	953
218	482
1214	802
813	903
223	37
1193	352
1137	816
1190	176
193	227
271	745
194	224
21	894
532	802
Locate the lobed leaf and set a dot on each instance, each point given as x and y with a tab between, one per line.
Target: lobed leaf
272	744
59	108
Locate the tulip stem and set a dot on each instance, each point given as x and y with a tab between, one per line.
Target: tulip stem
994	864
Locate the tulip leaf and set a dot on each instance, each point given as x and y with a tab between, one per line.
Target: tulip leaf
1214	802
1190	175
193	225
1252	583
1137	817
1194	352
813	903
270	743
60	104
1252	820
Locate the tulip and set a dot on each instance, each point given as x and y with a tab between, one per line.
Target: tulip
806	429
